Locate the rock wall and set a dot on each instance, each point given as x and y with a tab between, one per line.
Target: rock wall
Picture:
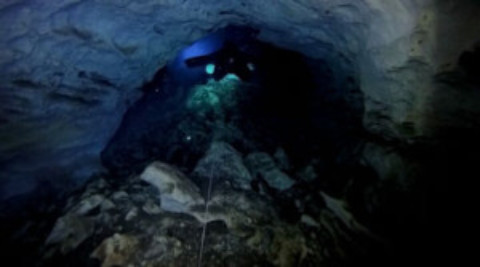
397	74
69	69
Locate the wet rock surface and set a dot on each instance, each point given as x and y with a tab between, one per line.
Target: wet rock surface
222	161
177	193
263	166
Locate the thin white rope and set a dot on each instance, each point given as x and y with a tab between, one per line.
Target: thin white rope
204	230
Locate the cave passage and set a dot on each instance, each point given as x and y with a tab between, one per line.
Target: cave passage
238	133
286	101
230	98
231	119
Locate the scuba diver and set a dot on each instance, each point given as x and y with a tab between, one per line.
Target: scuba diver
229	59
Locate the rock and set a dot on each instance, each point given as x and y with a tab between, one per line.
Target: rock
139	197
281	159
131	214
387	163
70	231
339	209
283	246
151	208
88	204
107	205
222	161
161	245
120	195
116	250
278	179
98	184
259	162
91	204
263	165
263	188
236	208
309	221
177	192
300	205
308	174
238	221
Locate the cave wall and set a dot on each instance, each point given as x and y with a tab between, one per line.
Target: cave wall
69	69
398	75
417	95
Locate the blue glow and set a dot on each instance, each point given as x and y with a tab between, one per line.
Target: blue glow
204	46
185	75
210	69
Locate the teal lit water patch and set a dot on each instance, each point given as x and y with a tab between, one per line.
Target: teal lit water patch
231	77
214	95
210	69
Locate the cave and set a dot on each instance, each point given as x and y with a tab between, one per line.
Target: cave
238	133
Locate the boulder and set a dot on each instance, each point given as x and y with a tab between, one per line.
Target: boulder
259	162
278	179
116	250
222	161
131	214
89	204
340	209
262	165
281	159
308	173
69	232
177	192
151	208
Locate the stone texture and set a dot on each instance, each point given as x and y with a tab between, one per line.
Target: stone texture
339	209
151	208
89	204
69	232
278	179
222	161
387	163
116	250
309	221
131	214
308	174
120	195
264	166
243	229
177	192
281	159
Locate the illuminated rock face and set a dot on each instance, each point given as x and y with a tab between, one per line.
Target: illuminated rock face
69	68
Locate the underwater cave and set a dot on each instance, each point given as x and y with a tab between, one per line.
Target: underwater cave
238	133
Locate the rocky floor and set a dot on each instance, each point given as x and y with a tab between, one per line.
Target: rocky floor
265	207
157	219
